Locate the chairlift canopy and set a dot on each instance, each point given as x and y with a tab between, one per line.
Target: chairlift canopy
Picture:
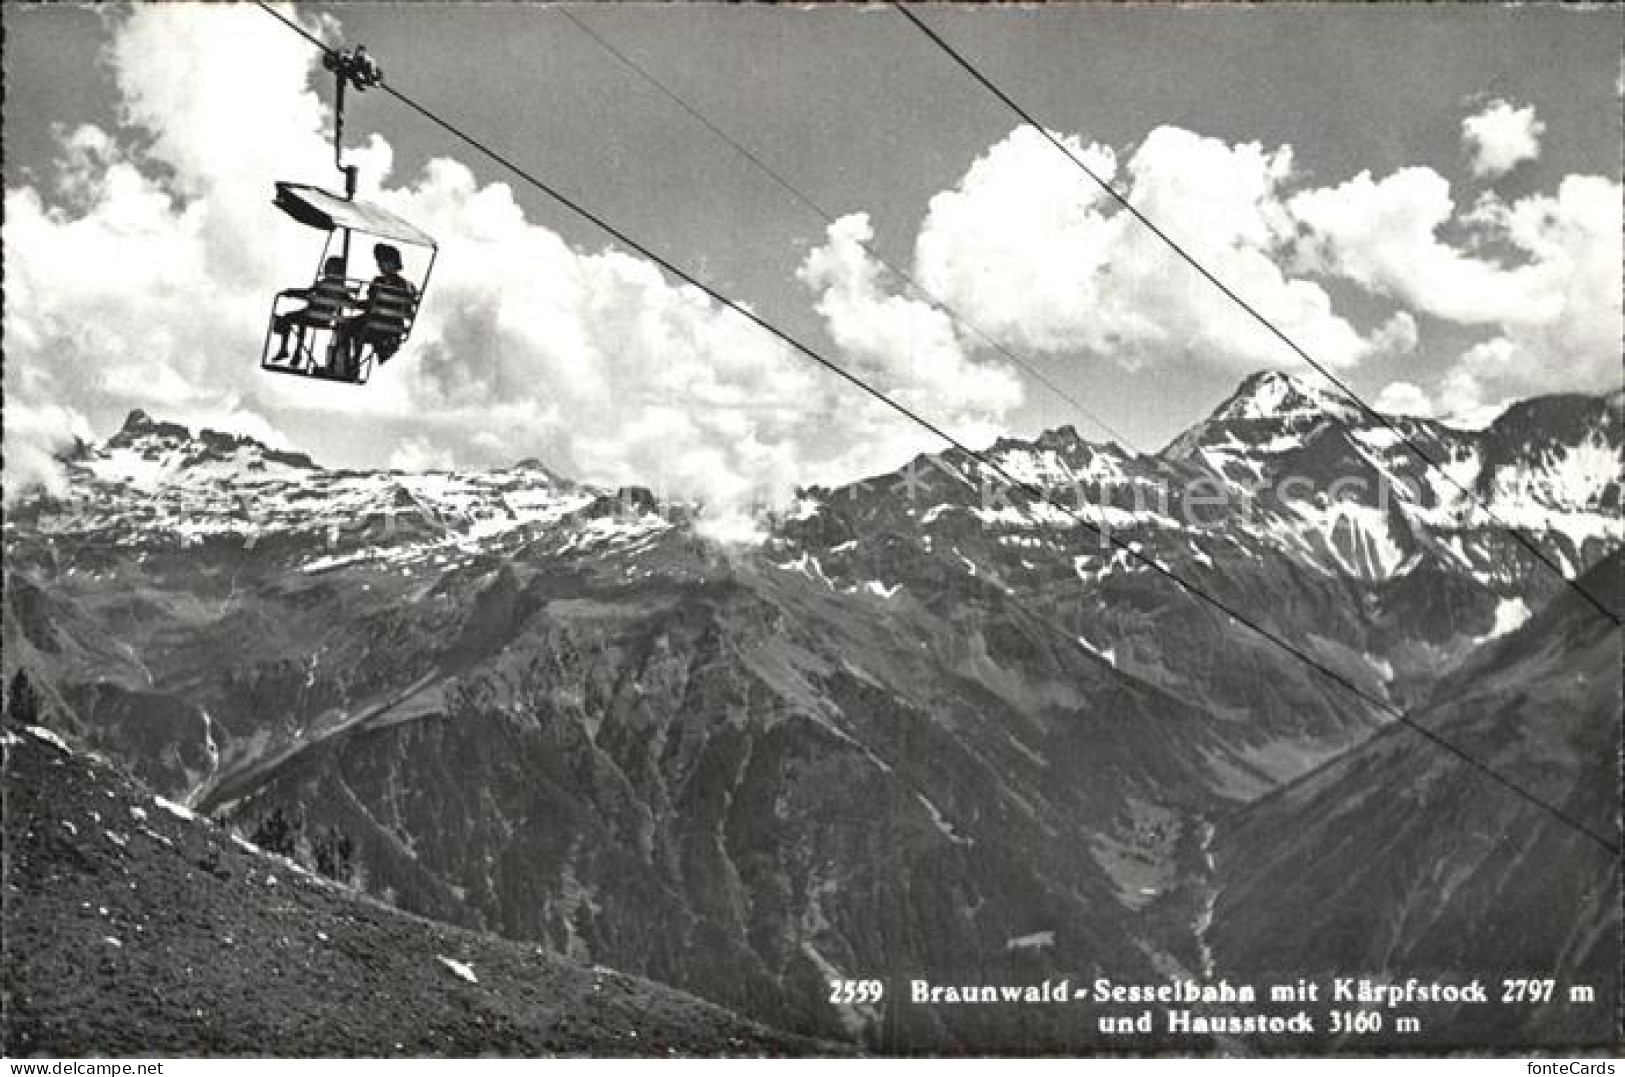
321	209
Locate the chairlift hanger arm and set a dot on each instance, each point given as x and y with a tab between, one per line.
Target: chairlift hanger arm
350	67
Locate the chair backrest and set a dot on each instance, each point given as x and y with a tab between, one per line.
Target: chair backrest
390	305
328	298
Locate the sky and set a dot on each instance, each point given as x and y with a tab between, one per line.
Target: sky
1427	198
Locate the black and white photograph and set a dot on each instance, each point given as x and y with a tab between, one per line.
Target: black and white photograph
840	531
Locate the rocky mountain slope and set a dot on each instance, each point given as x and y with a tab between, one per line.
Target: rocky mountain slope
919	724
1398	856
133	928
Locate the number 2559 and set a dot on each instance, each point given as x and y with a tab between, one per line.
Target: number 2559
855	992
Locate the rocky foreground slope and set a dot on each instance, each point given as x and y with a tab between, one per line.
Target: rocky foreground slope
133	928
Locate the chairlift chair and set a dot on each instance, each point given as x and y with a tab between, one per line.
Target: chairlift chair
316	342
313	348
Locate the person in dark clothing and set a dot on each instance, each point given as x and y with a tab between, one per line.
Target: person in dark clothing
391	301
325	303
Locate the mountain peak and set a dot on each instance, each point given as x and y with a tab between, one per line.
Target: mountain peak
1272	394
139	424
1265	404
148	435
1065	441
1060	437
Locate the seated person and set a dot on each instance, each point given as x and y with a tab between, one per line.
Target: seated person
391	302
325	302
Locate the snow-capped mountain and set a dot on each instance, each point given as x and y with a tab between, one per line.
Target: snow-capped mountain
1367	503
1294	507
156	487
927	721
1302	472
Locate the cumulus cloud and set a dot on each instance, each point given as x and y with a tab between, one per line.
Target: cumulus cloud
906	347
1552	306
1466	386
419	454
1459	400
1403	398
596	362
141	274
1397	336
35	437
1501	137
1040	258
1384	235
1028	250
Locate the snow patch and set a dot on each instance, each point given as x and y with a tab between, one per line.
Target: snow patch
1038	940
1581	474
1121	560
1358	538
1510	614
805	508
39	732
942	824
175	809
1380	437
462	971
877	588
332	561
1109	654
210	748
808	566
